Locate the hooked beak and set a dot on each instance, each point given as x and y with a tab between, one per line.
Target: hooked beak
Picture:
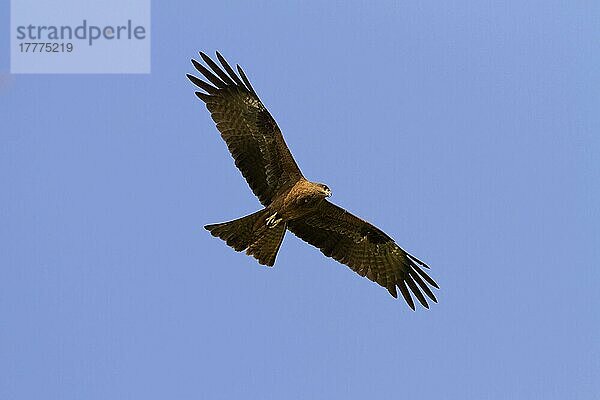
328	193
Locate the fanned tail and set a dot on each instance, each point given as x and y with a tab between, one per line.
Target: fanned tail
252	234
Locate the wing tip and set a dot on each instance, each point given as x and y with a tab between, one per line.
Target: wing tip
245	79
406	294
393	292
417	261
225	76
195	63
203	96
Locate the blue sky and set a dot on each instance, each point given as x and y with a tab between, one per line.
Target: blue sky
468	131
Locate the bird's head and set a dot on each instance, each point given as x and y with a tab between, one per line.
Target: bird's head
324	190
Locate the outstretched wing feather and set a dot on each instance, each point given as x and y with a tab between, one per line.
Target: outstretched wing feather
365	249
250	132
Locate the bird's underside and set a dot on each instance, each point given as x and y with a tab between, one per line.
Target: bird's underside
290	201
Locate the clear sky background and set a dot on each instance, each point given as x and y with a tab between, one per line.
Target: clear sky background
468	131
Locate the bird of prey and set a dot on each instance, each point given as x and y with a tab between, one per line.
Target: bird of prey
291	202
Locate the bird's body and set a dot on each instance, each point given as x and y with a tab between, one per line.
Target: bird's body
299	200
265	229
291	202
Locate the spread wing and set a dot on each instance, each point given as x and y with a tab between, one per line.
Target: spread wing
252	135
366	249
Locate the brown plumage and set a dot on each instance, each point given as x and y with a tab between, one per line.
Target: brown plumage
290	201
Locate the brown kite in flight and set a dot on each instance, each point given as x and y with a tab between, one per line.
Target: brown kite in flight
291	201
